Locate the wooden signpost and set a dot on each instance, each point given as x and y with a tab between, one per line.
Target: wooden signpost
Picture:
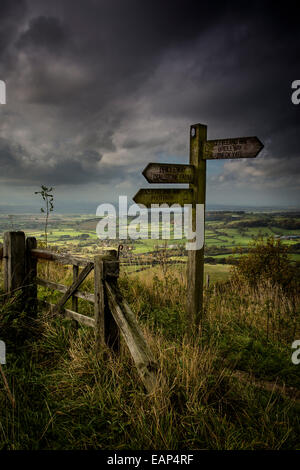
164	196
242	147
194	174
168	173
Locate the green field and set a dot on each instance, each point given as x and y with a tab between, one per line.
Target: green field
231	385
225	233
216	272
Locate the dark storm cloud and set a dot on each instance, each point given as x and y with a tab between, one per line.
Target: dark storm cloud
78	170
11	14
43	33
97	89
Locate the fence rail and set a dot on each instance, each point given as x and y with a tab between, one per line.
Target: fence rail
83	319
59	258
112	314
62	288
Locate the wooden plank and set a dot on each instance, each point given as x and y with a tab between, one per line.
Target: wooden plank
84	273
74	298
241	147
14	264
139	349
5	262
195	265
99	306
83	319
163	196
61	288
168	173
59	258
111	267
106	329
31	275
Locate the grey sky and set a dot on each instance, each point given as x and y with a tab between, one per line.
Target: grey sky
97	89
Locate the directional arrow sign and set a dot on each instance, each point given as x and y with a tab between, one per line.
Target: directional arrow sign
168	173
241	147
163	196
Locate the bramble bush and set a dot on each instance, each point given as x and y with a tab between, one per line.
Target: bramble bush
267	260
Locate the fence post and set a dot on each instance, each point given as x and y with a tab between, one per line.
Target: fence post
14	265
106	329
75	299
30	276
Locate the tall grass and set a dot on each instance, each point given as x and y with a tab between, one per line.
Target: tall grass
69	398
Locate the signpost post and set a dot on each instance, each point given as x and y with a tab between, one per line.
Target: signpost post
194	174
195	266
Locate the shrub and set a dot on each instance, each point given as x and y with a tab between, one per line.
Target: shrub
267	260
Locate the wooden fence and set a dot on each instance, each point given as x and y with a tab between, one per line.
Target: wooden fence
112	314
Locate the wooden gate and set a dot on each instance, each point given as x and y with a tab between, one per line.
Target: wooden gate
112	314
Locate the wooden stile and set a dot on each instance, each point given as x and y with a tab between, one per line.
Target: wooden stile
112	313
